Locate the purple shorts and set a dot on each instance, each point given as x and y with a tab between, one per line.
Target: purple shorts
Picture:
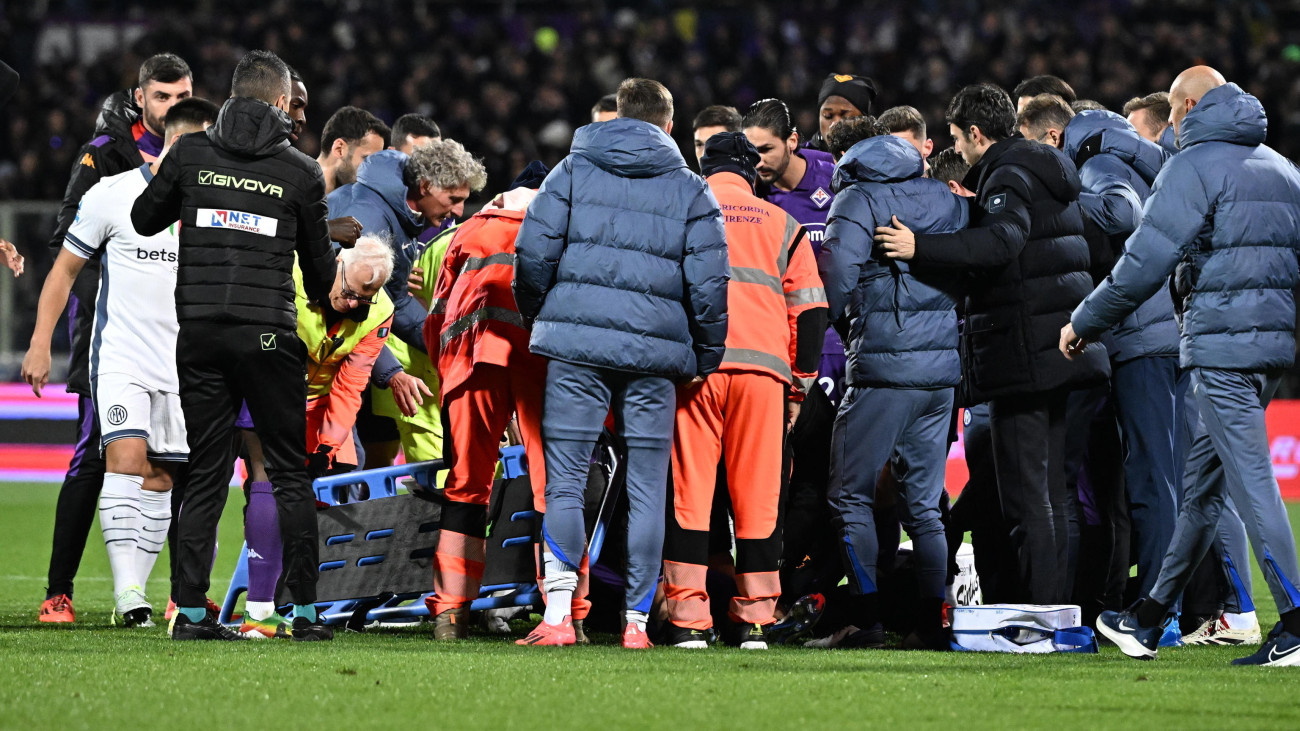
244	420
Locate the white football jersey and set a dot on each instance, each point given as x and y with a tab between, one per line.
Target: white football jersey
135	312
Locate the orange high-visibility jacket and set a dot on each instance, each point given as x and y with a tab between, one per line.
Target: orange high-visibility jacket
474	318
773	280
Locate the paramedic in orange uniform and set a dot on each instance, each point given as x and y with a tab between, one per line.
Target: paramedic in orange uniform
487	374
777	316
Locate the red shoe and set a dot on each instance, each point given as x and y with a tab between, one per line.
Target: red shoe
58	609
214	611
635	638
553	635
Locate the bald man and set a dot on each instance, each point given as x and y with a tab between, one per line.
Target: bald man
1222	219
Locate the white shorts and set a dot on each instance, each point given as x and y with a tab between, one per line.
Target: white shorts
129	409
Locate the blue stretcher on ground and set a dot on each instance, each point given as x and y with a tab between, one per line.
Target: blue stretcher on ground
361	553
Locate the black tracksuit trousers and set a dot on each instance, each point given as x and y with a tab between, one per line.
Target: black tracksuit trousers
220	365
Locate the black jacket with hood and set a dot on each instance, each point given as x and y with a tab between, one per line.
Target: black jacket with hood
1028	263
111	151
247	202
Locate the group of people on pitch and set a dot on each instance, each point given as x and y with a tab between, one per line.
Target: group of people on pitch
690	313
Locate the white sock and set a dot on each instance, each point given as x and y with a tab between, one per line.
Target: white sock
1240	621
637	619
119	519
559	604
155	519
258	611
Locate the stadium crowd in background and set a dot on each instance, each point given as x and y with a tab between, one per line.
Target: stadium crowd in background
689	307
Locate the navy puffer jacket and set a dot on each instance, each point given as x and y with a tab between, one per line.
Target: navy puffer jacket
1225	212
378	201
902	320
622	258
1117	168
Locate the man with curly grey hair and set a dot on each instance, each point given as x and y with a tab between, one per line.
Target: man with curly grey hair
396	197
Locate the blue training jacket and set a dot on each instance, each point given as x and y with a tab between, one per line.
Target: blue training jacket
378	201
1117	168
622	258
1225	212
902	320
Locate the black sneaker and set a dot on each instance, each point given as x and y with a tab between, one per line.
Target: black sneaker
747	636
675	635
306	631
936	639
206	629
871	638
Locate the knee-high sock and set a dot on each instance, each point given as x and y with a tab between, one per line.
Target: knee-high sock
262	533
155	519
119	518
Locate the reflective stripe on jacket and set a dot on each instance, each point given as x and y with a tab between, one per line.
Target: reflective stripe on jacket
771	285
474	318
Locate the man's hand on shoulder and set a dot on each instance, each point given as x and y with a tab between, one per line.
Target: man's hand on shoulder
897	240
345	231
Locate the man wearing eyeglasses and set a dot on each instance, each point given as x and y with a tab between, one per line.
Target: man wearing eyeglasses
344	334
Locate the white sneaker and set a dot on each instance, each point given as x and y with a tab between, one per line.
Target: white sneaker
133	608
1217	632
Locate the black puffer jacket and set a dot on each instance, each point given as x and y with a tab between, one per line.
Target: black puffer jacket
111	151
1028	265
247	201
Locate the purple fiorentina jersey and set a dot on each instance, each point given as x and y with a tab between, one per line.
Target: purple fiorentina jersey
808	204
810	200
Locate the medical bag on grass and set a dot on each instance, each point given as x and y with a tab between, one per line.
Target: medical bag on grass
1021	628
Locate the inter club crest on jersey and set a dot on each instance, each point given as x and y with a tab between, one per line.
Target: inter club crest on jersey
820	197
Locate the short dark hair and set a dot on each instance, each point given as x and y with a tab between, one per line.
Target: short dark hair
903	119
772	115
1156	106
1086	105
192	112
294	75
848	132
1045	84
949	165
607	103
718	115
261	75
165	68
985	106
415	125
1043	111
646	100
350	124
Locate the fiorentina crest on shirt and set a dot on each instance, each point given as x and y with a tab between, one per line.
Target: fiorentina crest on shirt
820	197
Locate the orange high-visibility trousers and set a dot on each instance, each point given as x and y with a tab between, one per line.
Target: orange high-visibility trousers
740	417
475	417
476	414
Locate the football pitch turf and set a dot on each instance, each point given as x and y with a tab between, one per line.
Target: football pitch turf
91	675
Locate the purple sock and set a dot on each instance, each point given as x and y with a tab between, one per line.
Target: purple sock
262	532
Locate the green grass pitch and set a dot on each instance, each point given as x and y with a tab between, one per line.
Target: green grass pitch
91	675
